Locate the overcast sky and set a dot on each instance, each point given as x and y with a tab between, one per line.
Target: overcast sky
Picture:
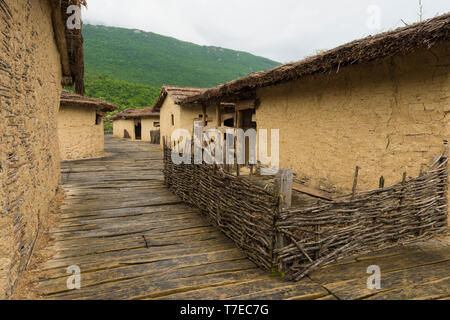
282	30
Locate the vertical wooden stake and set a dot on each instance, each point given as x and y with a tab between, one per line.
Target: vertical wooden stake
382	182
445	153
205	120
284	181
218	115
355	182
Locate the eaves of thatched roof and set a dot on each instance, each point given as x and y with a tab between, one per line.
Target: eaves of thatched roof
69	99
69	43
401	41
177	94
127	114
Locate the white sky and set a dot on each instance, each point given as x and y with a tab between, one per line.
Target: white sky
282	30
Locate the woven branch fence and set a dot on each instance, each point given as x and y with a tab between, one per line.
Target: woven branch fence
300	240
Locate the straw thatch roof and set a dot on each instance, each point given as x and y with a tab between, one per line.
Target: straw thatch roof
127	114
70	44
401	41
69	99
177	94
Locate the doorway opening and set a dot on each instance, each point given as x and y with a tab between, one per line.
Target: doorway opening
138	130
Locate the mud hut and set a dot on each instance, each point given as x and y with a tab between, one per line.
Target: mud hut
380	103
137	124
80	126
38	55
174	116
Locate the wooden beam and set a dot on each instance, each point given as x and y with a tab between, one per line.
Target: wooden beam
245	105
59	28
205	120
227	116
311	192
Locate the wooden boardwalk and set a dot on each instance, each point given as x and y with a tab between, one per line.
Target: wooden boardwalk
133	239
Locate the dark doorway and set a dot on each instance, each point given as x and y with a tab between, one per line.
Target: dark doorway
229	123
138	130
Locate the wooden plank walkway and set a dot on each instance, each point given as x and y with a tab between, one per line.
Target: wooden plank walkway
133	239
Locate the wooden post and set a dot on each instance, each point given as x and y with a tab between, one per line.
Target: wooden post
404	178
218	115
382	182
205	120
445	153
355	182
283	182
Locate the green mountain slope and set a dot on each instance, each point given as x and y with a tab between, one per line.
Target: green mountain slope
121	93
155	60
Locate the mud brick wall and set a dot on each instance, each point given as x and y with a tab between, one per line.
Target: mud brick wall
30	87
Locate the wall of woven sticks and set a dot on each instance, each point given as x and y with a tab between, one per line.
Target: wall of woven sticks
300	240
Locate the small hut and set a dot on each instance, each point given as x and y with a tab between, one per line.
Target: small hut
137	124
39	54
380	103
173	116
80	126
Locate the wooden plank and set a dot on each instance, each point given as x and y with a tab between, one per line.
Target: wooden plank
432	290
160	271
393	260
261	288
147	288
357	288
311	192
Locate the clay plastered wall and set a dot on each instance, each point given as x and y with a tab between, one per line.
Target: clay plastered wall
148	124
387	117
191	112
120	125
167	109
79	136
30	87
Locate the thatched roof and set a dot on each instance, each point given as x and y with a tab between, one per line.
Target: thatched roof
130	113
177	94
69	99
70	44
401	41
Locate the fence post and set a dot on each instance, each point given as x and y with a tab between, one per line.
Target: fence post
283	183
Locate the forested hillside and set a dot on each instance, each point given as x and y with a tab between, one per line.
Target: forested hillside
155	60
121	93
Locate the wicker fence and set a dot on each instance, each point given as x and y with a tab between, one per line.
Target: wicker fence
299	240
